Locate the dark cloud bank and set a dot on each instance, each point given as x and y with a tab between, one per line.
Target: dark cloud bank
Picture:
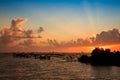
104	38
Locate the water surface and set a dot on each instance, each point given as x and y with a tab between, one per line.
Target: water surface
54	69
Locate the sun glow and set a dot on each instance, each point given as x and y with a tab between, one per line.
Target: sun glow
100	47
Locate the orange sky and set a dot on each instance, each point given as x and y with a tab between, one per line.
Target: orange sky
59	25
17	39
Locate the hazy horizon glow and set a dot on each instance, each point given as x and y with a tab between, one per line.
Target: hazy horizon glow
59	25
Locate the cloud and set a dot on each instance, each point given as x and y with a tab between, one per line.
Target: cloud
17	23
10	34
29	33
108	37
40	29
71	43
53	43
29	38
16	32
28	42
105	37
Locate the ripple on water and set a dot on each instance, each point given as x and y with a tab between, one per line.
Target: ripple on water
55	69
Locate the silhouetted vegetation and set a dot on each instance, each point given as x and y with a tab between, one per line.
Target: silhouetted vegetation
32	55
99	56
69	57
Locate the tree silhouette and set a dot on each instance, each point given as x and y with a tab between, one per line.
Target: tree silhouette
99	56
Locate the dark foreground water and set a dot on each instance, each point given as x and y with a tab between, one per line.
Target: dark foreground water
54	69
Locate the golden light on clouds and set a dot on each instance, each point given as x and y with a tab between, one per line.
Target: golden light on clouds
16	36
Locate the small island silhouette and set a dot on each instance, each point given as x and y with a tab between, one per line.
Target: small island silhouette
101	57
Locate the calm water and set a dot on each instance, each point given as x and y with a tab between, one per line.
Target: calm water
54	69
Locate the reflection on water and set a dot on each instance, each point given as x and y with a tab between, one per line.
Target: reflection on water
105	72
54	69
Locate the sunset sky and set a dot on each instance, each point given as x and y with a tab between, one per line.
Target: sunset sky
59	25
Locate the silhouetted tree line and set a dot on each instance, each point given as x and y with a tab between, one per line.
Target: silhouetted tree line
99	56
